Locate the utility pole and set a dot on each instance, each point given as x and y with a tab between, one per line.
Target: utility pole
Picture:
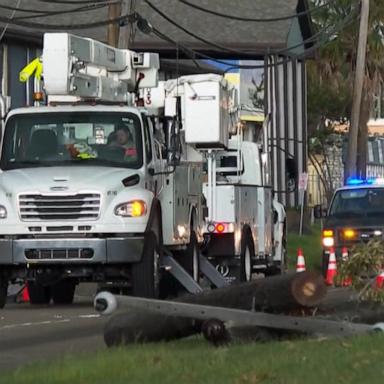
113	32
350	169
125	31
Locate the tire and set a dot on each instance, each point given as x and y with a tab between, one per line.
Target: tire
246	256
38	294
279	268
63	292
189	259
3	292
146	273
324	264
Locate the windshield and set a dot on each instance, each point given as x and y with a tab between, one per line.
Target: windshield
78	138
362	201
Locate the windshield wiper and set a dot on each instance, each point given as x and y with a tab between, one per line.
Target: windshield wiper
17	164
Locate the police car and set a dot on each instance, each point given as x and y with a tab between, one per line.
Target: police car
356	214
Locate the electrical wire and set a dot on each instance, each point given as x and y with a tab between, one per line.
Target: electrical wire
85	8
56	27
73	1
192	53
30	10
223	48
26	10
260	20
11	18
190	33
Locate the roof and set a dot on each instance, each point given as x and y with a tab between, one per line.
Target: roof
255	38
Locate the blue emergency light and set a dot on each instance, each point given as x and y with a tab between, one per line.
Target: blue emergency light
370	181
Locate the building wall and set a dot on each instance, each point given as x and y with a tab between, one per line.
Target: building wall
14	57
287	106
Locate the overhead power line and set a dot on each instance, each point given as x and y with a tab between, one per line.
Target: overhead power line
311	39
190	33
84	8
59	27
193	54
73	1
31	10
259	20
11	18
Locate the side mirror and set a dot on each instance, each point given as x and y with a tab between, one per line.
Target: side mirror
291	170
319	212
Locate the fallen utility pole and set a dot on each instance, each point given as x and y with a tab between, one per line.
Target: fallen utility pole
277	293
351	165
151	320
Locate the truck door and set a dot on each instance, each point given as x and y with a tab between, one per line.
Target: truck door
153	161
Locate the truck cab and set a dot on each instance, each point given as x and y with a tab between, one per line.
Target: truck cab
355	215
85	193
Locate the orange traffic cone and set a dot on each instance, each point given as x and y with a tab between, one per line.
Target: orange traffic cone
379	281
300	265
332	268
344	256
24	295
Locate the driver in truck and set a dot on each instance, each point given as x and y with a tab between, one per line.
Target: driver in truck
123	137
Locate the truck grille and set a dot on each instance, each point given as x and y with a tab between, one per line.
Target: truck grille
82	206
55	254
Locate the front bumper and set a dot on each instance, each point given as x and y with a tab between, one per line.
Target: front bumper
116	250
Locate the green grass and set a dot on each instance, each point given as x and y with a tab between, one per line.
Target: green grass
358	360
311	245
192	361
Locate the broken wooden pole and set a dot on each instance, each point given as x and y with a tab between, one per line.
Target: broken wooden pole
273	294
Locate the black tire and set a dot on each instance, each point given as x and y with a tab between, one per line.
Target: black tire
38	294
189	259
324	264
63	292
246	256
3	292
146	274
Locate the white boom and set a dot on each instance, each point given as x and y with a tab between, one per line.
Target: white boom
78	68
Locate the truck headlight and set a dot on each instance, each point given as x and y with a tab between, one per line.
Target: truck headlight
135	208
328	239
3	212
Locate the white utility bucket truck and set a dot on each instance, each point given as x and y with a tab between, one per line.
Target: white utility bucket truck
85	193
244	230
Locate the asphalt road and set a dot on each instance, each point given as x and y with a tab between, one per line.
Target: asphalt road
32	333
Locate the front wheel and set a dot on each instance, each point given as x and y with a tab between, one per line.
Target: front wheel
38	294
190	258
3	291
63	292
146	273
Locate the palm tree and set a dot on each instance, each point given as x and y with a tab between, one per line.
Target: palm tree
336	60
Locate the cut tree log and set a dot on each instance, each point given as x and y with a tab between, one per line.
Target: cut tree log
277	293
344	304
272	294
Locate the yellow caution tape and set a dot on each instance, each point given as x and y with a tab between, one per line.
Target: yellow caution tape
34	67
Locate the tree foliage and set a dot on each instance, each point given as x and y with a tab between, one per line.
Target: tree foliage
365	262
331	74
